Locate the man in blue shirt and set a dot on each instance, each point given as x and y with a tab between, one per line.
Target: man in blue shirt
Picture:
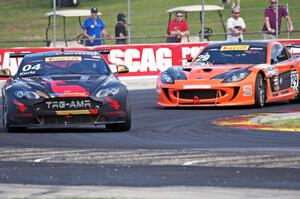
93	28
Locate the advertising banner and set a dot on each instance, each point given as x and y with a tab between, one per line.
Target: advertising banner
146	59
142	60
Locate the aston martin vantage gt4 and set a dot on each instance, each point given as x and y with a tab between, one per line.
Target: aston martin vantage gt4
65	89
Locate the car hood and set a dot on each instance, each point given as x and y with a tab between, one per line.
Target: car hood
210	71
63	85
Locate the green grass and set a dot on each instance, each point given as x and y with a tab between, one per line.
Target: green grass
284	123
23	20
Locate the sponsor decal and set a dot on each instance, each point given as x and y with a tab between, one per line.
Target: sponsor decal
68	105
234	47
69	58
200	86
294	80
60	88
247	90
74	112
72	94
270	70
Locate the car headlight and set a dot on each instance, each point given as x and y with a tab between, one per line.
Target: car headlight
166	78
108	92
233	76
26	95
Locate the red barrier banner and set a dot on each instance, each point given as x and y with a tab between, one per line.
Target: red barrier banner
144	59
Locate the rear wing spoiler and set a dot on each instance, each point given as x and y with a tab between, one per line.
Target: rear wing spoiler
17	55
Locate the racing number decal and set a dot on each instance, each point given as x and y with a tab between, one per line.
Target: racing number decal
294	80
204	57
29	67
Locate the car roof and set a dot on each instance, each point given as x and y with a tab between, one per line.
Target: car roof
251	43
62	53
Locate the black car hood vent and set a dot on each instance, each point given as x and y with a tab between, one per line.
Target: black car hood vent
207	70
66	77
93	78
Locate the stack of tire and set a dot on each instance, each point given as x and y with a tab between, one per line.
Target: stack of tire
65	3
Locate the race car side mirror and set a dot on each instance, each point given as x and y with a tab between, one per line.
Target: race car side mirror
122	69
5	72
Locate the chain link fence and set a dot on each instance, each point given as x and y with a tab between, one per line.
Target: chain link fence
25	23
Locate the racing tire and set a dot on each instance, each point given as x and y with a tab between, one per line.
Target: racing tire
125	126
260	91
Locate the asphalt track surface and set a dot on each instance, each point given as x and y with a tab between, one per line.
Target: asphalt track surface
165	147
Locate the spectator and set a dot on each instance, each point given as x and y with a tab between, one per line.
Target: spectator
177	28
93	28
120	29
230	2
235	26
269	28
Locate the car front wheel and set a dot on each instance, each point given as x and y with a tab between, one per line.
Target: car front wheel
260	91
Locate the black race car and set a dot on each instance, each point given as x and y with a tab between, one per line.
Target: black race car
65	88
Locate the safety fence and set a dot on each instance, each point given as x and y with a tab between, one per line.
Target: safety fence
25	23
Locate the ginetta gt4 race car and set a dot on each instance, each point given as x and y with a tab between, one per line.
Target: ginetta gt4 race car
67	88
232	74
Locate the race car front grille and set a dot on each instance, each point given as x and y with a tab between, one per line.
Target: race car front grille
201	94
69	120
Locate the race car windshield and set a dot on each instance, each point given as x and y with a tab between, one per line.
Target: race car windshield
239	54
56	65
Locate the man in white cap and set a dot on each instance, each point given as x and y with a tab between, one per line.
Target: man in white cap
235	26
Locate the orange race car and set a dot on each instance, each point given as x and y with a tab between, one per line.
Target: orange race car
233	74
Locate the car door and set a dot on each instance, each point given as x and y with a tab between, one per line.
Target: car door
288	75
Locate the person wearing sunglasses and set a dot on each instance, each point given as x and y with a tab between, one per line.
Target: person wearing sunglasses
94	29
235	26
269	28
177	29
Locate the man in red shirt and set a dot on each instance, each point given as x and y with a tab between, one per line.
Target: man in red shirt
177	29
269	29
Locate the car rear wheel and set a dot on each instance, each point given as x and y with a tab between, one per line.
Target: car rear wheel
125	126
260	91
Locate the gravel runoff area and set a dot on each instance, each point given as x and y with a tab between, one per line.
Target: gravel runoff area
174	192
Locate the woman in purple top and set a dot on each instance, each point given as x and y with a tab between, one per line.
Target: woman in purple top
269	29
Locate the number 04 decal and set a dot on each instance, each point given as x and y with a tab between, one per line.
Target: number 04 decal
294	80
29	67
